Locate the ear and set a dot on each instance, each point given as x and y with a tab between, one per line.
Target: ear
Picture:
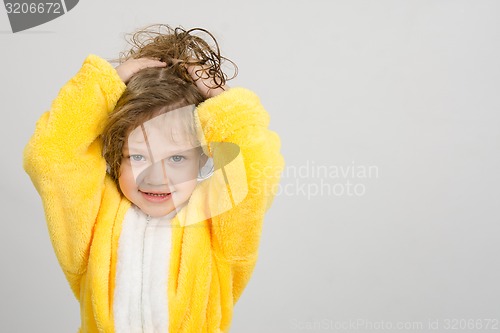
203	159
206	167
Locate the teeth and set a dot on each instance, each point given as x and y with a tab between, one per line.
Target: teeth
158	194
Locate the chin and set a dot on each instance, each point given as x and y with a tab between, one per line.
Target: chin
157	212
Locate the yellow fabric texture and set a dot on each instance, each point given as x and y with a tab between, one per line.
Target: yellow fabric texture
212	260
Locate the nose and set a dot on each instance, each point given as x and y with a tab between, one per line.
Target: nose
156	174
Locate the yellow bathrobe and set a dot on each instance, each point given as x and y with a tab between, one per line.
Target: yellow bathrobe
211	260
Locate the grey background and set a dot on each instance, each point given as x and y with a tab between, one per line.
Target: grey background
410	87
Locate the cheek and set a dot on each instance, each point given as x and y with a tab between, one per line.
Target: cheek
126	180
187	187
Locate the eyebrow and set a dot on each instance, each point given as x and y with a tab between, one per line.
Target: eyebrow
137	141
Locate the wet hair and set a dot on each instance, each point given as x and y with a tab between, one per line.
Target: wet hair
154	91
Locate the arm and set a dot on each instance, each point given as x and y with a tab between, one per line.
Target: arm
64	158
237	116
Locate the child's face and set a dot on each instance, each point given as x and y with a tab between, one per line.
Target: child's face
160	165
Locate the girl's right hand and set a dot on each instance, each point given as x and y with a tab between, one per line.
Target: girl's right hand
133	65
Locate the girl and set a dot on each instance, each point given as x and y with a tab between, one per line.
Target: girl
147	241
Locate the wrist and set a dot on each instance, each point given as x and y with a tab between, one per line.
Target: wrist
217	91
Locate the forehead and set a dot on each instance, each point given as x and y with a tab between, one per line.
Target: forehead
173	128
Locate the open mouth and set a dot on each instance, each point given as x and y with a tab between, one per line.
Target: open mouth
156	196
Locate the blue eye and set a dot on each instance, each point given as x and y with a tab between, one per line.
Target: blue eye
137	158
177	158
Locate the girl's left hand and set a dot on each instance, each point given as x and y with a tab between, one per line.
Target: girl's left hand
204	82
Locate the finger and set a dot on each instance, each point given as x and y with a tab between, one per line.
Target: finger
157	63
152	61
199	72
144	63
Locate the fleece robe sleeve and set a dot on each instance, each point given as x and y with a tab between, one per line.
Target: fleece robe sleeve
237	117
64	161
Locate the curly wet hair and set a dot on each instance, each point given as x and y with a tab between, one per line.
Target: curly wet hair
153	91
179	48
